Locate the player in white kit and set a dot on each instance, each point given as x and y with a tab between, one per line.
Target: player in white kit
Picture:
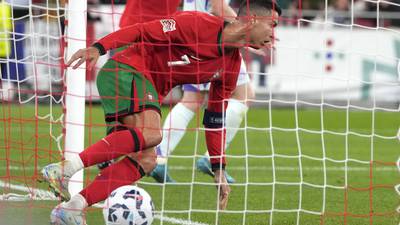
193	98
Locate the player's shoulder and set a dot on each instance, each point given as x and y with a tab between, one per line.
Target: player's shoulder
199	17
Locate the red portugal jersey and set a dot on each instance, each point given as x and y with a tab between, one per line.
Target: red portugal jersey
183	49
140	11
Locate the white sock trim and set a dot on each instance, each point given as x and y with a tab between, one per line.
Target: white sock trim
75	163
162	160
77	202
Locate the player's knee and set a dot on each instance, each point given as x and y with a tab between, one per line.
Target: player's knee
243	92
152	137
192	106
157	137
192	100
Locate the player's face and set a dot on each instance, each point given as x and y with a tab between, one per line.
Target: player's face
261	34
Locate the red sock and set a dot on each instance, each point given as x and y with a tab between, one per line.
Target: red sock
124	172
114	145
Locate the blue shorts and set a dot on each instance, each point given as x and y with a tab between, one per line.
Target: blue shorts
196	87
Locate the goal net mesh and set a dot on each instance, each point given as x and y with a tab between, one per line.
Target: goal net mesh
31	94
318	145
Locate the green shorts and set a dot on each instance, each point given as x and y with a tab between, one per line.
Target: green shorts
124	91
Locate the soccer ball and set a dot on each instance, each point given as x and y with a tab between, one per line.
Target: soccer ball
128	205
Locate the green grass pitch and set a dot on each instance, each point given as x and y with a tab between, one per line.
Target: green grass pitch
273	184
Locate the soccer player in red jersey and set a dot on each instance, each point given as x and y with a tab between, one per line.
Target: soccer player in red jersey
140	11
163	53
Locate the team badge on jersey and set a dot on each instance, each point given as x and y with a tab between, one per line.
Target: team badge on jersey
168	25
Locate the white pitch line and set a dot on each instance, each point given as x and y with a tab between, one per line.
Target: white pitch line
239	168
33	193
178	221
398	132
291	168
39	194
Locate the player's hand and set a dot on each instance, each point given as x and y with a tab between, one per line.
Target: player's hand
91	54
260	52
224	189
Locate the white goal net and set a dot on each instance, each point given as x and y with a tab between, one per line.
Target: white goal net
318	145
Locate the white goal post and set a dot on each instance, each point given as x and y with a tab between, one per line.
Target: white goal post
75	88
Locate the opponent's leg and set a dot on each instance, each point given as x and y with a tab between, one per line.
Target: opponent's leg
174	128
236	110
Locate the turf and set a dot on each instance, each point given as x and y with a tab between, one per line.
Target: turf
334	167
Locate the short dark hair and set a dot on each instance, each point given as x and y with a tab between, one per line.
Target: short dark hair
257	5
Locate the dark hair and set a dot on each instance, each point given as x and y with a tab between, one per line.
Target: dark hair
257	5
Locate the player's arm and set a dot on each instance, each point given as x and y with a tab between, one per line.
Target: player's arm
213	121
157	31
215	132
221	8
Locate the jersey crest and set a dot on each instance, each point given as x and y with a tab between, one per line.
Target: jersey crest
168	25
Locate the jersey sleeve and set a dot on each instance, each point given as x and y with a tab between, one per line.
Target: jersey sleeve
220	92
174	30
143	32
